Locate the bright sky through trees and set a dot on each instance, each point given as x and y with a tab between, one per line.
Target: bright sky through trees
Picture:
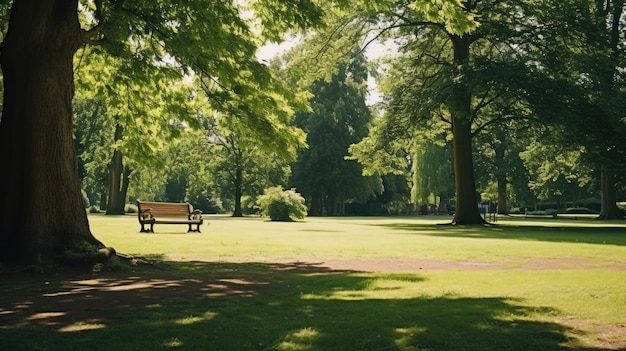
373	52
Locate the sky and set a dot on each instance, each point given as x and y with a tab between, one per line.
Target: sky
374	51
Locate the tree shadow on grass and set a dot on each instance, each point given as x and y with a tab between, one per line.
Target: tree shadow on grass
259	306
568	234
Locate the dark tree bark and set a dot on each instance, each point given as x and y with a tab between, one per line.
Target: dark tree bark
502	208
125	184
317	204
608	201
238	184
442	207
103	201
466	211
42	210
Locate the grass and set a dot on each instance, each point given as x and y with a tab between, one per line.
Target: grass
250	284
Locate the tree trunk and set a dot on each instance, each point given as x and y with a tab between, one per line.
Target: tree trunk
608	208
103	201
466	211
238	182
125	184
42	210
331	205
317	205
116	202
502	208
442	208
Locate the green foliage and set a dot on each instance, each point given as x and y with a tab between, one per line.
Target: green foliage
282	205
93	141
280	17
146	56
130	208
350	26
239	166
339	118
557	172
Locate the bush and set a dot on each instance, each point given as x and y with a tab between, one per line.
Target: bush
549	212
130	208
206	204
282	205
578	210
517	210
94	209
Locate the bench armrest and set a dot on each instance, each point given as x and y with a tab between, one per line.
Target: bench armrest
146	214
196	214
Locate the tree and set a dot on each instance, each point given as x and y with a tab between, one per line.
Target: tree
610	24
339	118
240	166
190	178
155	93
392	157
442	74
576	58
557	170
93	139
42	207
498	164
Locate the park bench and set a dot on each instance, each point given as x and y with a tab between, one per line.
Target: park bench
168	213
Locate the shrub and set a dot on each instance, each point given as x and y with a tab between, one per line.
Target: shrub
549	212
94	209
206	204
282	205
578	210
517	210
130	208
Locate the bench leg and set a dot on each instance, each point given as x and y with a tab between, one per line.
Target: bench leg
197	230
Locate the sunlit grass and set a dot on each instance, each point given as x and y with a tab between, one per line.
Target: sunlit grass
225	238
250	284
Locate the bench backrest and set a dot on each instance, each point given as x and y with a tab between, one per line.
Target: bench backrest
165	209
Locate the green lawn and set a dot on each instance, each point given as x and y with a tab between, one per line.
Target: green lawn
250	284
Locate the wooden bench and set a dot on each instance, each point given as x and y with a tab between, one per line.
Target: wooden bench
168	213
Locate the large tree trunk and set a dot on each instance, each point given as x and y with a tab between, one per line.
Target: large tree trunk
608	200
466	211
42	210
